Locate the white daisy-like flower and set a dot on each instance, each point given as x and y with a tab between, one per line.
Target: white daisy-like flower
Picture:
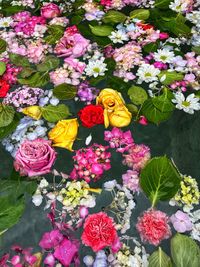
118	36
96	68
5	22
147	73
189	104
179	5
164	55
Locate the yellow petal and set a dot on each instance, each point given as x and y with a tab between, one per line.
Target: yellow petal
33	112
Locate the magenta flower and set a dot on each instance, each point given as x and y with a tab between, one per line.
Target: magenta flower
65	252
50	11
51	239
50	260
181	222
34	157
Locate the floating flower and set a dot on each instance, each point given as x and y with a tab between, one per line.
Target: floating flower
64	133
34	157
91	115
181	222
99	231
34	112
50	11
153	227
188	104
115	112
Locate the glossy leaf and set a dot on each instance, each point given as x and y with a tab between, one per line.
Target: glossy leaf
65	91
163	103
141	14
114	16
159	259
5	131
49	63
3	46
55	113
101	30
160	179
19	60
38	79
6	115
137	95
168	77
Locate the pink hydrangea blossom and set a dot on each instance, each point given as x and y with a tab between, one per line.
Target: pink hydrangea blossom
51	239
131	180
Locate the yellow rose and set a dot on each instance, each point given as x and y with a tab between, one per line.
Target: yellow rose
64	133
34	112
116	113
39	260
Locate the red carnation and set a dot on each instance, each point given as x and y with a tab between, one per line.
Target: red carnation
91	115
4	88
99	231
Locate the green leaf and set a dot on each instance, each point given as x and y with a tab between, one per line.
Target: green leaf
162	3
11	10
160	180
163	103
132	108
137	95
26	72
65	91
168	77
185	251
196	49
5	131
38	79
55	33
19	60
6	115
142	14
49	63
10	211
55	113
101	30
152	47
113	16
3	46
152	113
2	67
159	259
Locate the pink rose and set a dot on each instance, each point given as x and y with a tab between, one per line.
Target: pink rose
72	45
75	64
50	11
66	252
34	157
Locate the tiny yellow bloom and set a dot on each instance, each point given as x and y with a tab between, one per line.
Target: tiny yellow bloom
64	133
34	112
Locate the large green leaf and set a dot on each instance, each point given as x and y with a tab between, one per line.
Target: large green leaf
55	113
19	60
137	95
55	33
65	91
49	63
185	252
5	131
163	103
152	113
38	79
141	14
3	46
162	3
6	115
114	16
2	67
101	30
159	259
10	211
160	180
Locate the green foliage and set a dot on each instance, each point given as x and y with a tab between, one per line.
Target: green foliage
168	77
6	130
159	259
19	60
55	32
101	30
49	63
113	16
142	14
137	95
160	179
38	79
65	91
6	115
2	67
55	113
3	46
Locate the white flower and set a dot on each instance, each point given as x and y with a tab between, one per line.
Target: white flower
147	73
37	199
188	105
5	22
164	55
88	140
179	5
96	68
43	183
109	186
118	36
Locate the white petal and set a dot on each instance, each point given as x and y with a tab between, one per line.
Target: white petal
88	140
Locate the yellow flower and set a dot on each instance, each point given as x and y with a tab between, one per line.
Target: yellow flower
64	133
116	113
34	112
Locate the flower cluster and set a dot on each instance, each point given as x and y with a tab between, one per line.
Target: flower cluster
90	163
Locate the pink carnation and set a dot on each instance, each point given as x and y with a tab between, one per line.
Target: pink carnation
153	227
34	157
50	11
99	231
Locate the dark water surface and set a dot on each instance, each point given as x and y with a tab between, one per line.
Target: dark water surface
179	138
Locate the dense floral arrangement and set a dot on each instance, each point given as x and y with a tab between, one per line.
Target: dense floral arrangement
123	62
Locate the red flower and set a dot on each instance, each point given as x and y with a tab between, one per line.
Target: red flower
153	226
99	231
145	26
91	115
4	88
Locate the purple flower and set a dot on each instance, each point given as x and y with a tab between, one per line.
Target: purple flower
181	222
131	180
65	252
51	239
